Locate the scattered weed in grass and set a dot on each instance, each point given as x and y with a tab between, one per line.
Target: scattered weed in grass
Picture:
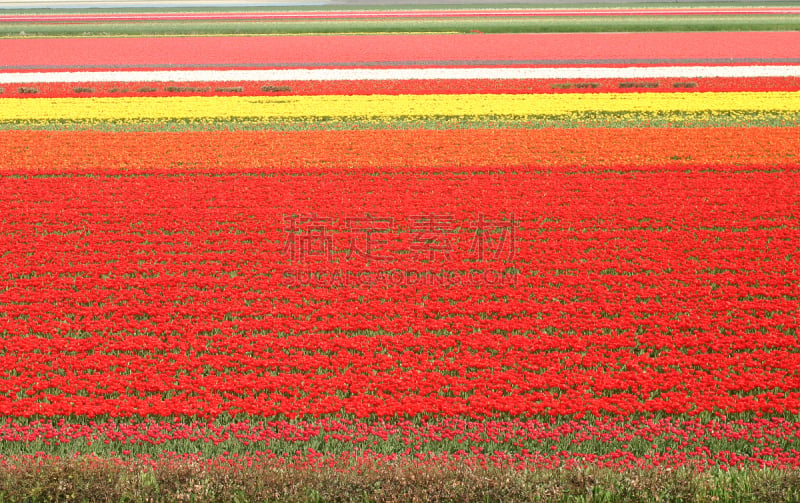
631	85
275	89
229	89
176	89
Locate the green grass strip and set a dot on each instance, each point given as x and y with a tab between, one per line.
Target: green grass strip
401	6
563	24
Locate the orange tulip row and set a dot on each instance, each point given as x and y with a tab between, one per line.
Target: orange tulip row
317	151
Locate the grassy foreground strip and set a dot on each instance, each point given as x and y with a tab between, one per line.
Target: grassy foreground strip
558	24
326	107
97	479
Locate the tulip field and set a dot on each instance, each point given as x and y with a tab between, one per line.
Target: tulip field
511	252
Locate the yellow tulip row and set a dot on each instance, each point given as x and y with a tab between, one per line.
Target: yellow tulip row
387	106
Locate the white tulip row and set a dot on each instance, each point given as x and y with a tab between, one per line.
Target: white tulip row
403	74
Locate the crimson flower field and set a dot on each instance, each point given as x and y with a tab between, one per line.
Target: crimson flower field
243	272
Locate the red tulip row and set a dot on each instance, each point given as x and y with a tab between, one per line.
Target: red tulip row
393	87
634	443
449	291
406	50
